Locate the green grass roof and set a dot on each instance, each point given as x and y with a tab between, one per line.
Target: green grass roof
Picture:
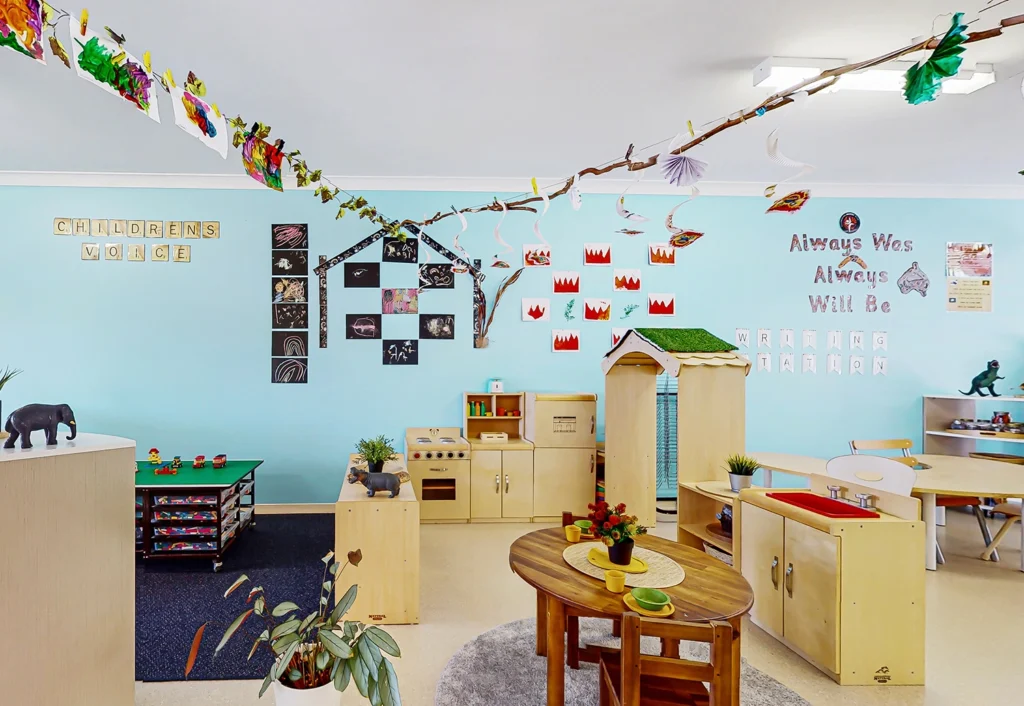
685	340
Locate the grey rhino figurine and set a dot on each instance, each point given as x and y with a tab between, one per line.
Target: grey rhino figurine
33	417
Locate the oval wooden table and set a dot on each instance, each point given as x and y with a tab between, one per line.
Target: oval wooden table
711	591
948	475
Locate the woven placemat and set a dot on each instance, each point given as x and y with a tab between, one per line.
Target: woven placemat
662	572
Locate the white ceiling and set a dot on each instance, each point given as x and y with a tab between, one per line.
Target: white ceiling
464	88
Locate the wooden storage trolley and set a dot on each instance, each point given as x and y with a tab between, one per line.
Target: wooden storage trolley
845	594
387	531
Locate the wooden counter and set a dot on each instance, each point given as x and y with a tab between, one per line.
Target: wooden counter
510	445
387	531
67	572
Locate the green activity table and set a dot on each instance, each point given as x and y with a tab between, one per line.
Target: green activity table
207	506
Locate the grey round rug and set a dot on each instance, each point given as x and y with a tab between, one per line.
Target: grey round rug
501	668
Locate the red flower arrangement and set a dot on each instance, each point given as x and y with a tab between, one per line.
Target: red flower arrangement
612	524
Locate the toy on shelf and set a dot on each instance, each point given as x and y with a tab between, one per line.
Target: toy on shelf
376	482
176	462
220	460
985	380
154	456
200	462
38	417
166	470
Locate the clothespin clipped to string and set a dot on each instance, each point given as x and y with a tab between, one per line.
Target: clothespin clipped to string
216	110
147	62
84	20
689	126
533	183
169	78
117	38
194	86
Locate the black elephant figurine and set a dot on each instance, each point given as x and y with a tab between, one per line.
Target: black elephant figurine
33	417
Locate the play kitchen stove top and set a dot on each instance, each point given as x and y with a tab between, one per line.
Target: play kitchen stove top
435	443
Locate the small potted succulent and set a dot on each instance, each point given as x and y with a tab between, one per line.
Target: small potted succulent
316	656
6	375
616	529
741	471
374	452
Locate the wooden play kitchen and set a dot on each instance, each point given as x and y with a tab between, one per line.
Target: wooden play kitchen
193	513
841	585
387	532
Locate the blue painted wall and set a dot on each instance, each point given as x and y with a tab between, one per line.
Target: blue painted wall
178	355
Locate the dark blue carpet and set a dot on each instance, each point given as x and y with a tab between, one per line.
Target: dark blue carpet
174	597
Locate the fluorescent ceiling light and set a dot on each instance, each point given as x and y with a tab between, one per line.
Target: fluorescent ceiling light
783	73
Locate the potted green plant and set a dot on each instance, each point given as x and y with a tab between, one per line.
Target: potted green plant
375	452
316	656
616	529
741	471
5	377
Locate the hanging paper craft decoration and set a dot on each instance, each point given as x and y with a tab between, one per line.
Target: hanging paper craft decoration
103	63
678	237
498	262
597	254
630	232
459	268
661	304
200	119
536	256
565	340
661	254
620	208
776	155
536	309
627	281
790	203
576	196
923	80
913	280
679	169
566	282
544	211
21	27
262	161
597	310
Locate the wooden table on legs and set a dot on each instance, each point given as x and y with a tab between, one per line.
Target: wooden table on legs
711	590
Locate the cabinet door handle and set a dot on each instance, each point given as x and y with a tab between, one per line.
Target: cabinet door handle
497	484
789	580
593	423
506	484
591	463
775	573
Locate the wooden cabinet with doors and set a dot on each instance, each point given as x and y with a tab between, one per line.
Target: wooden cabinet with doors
845	594
502	481
563	480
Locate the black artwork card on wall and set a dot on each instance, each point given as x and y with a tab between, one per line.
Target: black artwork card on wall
288	290
288	316
362	274
290	263
290	344
437	326
288	370
439	276
362	326
396	250
289	236
398	352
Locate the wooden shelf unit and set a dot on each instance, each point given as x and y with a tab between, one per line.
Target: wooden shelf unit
696	509
474	425
939	411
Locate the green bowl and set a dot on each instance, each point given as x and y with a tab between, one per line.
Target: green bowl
584	525
650	598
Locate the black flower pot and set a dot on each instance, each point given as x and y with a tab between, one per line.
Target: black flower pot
621	553
725	516
375	466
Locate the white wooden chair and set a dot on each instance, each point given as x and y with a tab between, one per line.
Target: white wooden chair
1012	510
873	471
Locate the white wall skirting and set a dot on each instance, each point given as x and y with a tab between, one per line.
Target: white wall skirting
295	509
503	185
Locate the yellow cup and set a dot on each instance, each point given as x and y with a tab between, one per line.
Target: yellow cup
572	533
615	581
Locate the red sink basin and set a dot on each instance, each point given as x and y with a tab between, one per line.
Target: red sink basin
823	506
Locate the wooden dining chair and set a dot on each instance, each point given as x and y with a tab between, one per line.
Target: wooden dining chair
975	504
630	678
1012	510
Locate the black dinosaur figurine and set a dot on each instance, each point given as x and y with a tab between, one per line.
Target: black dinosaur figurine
985	380
376	482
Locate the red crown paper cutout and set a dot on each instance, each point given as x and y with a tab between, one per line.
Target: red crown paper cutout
597	255
568	341
599	311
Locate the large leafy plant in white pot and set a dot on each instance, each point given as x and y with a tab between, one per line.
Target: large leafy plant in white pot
316	656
